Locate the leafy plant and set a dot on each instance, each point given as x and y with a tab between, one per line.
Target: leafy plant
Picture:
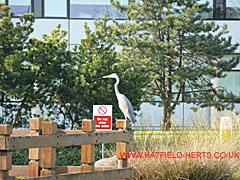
31	69
66	156
83	86
179	52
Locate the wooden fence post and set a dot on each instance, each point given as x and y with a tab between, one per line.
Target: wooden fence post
5	156
48	154
122	147
88	151
35	125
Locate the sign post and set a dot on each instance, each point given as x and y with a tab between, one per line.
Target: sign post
102	114
225	128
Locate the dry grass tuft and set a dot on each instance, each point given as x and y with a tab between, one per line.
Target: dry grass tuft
186	168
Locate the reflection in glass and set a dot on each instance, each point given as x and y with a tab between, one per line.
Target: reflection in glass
207	15
20	7
95	9
55	8
233	9
231	82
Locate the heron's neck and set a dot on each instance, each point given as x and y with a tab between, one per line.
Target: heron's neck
116	86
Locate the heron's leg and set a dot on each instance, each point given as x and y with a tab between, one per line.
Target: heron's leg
125	125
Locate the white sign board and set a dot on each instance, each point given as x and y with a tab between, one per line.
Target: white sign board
102	114
225	124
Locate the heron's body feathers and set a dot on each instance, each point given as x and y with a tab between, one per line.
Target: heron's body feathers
126	107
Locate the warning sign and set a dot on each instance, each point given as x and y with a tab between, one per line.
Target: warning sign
102	114
102	110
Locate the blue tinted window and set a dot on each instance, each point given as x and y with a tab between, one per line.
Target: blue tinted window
231	82
20	7
55	8
95	9
233	9
207	15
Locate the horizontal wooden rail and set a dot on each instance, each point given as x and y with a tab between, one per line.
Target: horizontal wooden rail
96	175
27	132
61	140
24	170
42	139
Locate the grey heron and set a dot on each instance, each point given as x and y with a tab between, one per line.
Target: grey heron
123	102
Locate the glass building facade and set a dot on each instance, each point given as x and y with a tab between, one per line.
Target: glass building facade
90	9
72	14
76	9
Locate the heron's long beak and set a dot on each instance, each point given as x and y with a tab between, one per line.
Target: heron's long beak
105	77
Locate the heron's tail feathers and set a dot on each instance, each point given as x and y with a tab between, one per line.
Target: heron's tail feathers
132	118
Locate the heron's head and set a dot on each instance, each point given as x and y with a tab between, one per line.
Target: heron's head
113	75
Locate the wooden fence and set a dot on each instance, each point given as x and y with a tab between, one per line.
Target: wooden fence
42	139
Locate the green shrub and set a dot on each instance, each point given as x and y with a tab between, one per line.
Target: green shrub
66	156
20	157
